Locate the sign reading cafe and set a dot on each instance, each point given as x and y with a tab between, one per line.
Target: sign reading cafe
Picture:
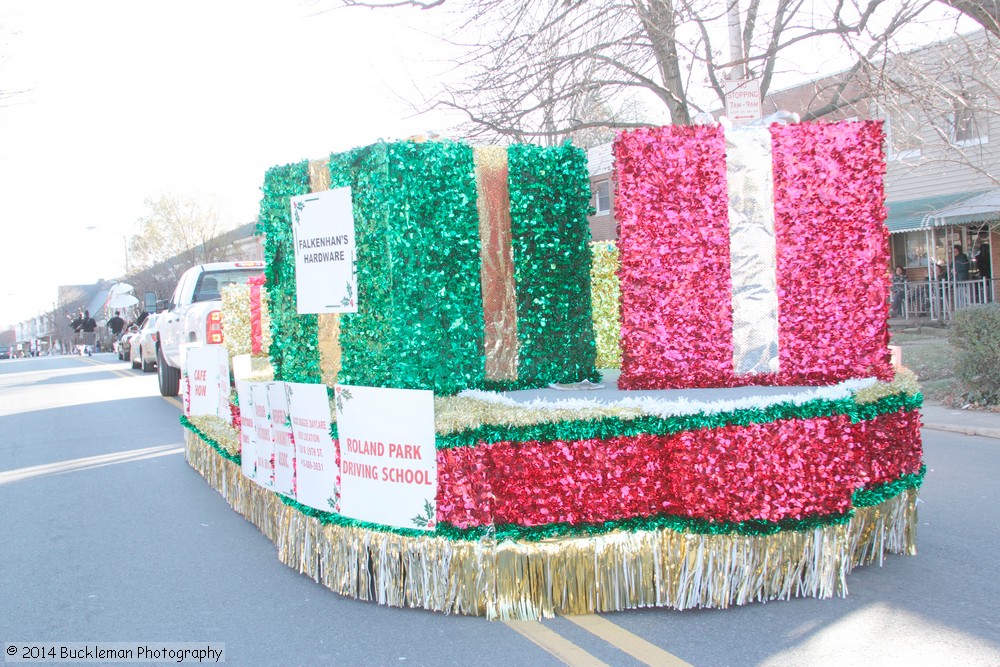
325	274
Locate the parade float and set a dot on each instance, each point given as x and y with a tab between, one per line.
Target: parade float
419	420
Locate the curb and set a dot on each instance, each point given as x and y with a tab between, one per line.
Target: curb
965	430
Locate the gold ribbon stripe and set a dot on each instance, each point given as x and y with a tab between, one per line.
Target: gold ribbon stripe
497	262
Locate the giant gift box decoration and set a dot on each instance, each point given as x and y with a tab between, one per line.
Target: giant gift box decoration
473	268
470	264
752	256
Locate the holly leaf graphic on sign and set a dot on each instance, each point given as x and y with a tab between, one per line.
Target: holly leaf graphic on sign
428	518
348	300
341	396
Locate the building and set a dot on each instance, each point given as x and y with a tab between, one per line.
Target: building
600	163
940	105
51	331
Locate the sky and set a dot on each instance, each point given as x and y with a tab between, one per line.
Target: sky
125	100
128	99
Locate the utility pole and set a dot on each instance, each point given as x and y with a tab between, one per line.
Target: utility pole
736	53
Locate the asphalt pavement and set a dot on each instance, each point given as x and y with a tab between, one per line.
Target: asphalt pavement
108	535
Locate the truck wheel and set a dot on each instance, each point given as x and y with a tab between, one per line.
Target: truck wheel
169	377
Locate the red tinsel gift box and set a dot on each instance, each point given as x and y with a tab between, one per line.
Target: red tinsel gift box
749	263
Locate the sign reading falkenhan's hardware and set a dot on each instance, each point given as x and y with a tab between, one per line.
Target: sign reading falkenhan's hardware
325	252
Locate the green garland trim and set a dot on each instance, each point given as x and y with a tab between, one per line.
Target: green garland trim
419	323
679	524
549	204
234	458
865	497
877	495
609	427
537	383
604	428
294	338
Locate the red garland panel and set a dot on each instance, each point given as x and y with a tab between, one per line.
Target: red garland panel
671	205
832	254
789	469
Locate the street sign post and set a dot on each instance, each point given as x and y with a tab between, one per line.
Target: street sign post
743	101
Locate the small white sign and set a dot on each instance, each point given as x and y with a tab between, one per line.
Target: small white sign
388	461
281	429
743	100
262	431
242	366
315	454
204	368
248	437
325	276
225	386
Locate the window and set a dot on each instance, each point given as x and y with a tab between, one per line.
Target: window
602	197
904	135
965	127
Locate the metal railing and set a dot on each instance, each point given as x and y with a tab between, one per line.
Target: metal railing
938	300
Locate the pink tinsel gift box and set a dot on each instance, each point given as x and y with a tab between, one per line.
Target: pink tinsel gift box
678	261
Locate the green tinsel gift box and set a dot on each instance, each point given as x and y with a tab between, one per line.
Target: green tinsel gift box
473	269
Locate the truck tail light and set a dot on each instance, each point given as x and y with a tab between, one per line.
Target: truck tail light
213	328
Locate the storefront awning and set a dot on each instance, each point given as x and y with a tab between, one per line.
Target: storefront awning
914	214
977	209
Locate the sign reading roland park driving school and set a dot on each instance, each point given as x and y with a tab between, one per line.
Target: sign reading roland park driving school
388	462
323	229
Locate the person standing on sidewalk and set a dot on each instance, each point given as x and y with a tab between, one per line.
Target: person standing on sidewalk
962	264
983	265
898	292
962	267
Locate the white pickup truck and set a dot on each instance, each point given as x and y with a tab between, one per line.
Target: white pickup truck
194	315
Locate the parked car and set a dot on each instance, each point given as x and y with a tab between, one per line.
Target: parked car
142	345
194	315
4	353
124	348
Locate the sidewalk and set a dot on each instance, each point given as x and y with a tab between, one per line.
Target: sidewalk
970	422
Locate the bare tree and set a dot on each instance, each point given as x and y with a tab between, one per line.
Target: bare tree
985	12
940	104
529	77
181	229
176	233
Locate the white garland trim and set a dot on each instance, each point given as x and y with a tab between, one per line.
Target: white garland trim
674	407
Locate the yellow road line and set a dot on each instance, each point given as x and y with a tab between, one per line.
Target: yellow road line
622	639
557	645
176	402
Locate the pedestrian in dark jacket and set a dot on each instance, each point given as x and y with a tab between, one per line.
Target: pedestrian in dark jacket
88	328
962	264
116	324
983	261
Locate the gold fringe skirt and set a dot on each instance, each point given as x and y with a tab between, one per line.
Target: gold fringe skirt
531	580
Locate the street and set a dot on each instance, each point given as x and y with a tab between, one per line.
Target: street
109	536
